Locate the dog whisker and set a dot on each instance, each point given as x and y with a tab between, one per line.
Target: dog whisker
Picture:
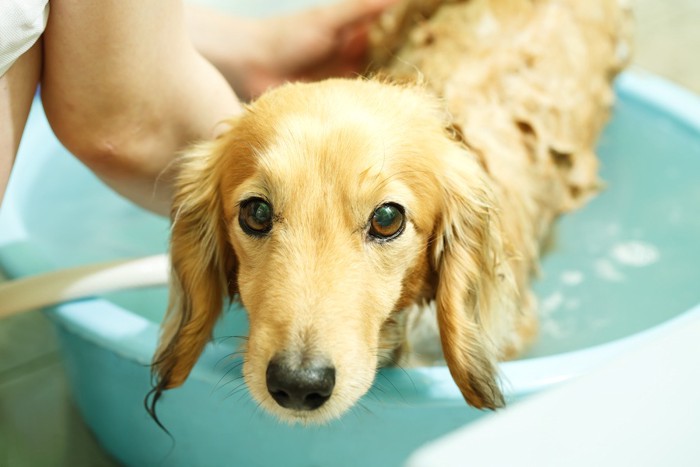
236	366
391	383
242	393
377	386
258	405
231	381
373	395
363	406
229	358
240	387
403	370
225	338
328	206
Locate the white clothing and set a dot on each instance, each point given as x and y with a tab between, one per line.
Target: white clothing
21	24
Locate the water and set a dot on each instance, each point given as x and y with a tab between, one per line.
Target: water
624	263
631	258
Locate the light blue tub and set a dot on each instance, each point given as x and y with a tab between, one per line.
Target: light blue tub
623	268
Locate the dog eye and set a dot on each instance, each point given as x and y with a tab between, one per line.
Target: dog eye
255	216
387	222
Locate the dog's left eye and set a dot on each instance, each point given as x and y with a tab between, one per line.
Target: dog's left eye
255	216
387	222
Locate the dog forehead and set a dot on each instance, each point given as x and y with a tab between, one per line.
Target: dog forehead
336	119
341	162
304	141
344	142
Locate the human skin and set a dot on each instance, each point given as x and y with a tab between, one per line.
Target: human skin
127	85
17	88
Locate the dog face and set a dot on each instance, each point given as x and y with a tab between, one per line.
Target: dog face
327	209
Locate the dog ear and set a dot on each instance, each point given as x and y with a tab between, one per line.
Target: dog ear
473	279
203	266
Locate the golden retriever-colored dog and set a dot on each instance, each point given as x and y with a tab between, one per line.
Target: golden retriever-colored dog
330	208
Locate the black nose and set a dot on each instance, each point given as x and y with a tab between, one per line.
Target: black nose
304	386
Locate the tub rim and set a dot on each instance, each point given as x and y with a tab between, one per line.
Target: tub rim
134	337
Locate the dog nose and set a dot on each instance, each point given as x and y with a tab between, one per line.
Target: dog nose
306	386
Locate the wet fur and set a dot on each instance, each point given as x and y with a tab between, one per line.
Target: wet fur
479	199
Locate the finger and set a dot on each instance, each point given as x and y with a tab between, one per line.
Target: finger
353	42
347	59
348	12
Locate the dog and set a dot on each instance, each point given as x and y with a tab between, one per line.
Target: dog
329	209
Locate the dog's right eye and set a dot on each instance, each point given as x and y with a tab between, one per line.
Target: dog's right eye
255	216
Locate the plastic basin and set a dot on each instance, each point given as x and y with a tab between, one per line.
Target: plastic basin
622	269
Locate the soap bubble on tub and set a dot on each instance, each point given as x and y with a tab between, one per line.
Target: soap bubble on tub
571	278
635	253
606	270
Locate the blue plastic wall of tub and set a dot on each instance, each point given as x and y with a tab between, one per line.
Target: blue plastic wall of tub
623	268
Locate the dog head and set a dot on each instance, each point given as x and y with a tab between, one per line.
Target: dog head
326	210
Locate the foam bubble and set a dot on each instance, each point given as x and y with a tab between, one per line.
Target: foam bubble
634	253
571	277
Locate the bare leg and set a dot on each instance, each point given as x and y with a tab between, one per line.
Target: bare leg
17	88
124	90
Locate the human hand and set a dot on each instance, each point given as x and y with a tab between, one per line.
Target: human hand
255	55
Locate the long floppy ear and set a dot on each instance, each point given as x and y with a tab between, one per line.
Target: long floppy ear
203	267
473	282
